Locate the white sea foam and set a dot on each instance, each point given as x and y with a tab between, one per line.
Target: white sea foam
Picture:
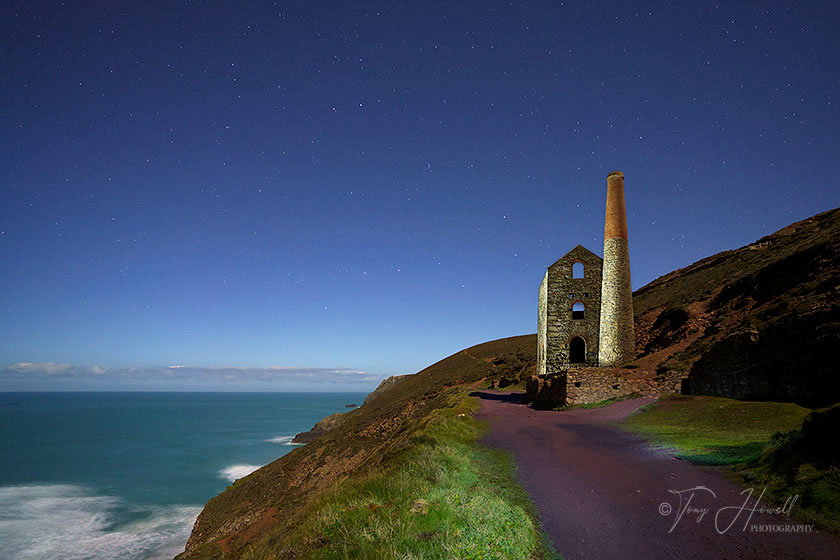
235	472
55	521
285	440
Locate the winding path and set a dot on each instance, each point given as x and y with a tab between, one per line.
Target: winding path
604	493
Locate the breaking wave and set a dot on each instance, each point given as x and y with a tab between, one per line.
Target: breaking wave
235	472
285	440
69	522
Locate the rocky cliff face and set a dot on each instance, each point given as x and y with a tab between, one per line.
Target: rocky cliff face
384	386
322	427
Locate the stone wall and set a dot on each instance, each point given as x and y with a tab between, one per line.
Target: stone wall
561	292
592	385
587	385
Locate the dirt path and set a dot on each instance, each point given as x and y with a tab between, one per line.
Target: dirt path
603	493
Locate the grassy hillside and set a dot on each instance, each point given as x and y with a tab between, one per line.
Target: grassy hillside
262	511
446	497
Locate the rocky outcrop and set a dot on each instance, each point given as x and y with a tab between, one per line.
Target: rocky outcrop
385	385
321	428
332	421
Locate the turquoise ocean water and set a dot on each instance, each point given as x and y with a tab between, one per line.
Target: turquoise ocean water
123	475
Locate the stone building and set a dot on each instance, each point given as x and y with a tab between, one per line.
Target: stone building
569	311
585	312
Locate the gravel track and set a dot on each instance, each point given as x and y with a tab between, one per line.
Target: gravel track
604	493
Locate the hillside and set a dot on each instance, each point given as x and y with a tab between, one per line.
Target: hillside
274	498
759	321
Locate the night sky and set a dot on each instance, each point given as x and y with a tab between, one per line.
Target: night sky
354	190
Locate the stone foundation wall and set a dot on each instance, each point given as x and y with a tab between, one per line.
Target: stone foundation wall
592	385
587	385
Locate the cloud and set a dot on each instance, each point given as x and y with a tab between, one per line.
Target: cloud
47	368
52	376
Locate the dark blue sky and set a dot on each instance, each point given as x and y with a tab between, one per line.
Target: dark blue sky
372	186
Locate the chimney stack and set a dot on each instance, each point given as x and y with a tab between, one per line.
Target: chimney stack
617	341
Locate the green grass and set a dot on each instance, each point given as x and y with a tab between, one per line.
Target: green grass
599	404
714	430
804	463
766	445
476	509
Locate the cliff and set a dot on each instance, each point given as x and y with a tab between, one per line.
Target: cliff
323	426
760	321
384	386
270	502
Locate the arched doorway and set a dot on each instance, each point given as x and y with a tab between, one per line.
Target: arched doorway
577	350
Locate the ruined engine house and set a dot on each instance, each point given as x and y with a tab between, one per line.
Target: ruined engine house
585	307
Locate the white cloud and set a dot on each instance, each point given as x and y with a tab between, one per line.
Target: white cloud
40	367
63	376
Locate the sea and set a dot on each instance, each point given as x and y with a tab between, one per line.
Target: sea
88	476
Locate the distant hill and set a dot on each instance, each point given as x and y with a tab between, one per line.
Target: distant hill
760	321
